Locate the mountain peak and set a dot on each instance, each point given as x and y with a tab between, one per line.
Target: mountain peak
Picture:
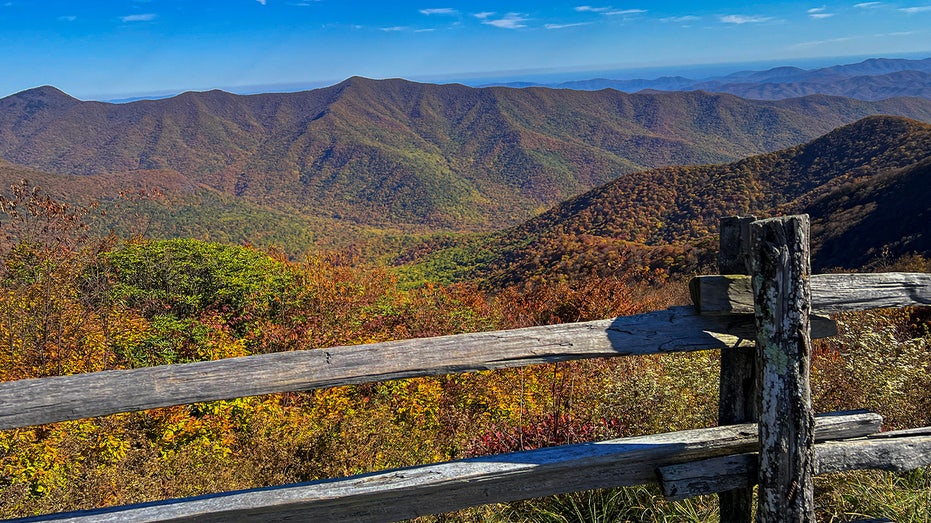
44	97
45	91
360	81
867	131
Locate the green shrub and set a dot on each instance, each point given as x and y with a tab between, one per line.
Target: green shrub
186	277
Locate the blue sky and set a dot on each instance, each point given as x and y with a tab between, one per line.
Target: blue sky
112	48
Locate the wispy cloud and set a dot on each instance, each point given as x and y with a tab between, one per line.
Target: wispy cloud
819	13
819	43
608	11
67	18
508	21
146	17
680	19
744	19
565	26
868	5
918	9
625	12
395	28
439	11
484	14
261	1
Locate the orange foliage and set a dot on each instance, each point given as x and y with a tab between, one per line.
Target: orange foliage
57	320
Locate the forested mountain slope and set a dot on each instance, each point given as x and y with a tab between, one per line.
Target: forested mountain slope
393	152
865	185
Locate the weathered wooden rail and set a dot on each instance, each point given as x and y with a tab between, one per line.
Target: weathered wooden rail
407	493
61	398
725	459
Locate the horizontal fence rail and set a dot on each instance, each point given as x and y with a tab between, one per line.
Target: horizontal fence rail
830	293
896	451
48	400
399	494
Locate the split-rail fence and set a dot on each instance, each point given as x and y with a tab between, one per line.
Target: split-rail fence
761	313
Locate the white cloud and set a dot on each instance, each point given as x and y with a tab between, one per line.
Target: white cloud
868	5
680	19
625	12
844	39
818	13
608	10
439	11
564	26
395	28
483	15
508	21
743	19
147	17
913	10
818	43
68	18
261	1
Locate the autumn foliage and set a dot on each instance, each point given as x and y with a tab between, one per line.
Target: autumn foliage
72	303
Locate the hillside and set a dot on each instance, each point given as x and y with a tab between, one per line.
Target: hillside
864	184
162	203
871	220
393	153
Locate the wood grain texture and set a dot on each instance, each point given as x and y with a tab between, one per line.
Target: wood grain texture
897	454
780	266
920	431
710	476
734	244
399	494
738	378
893	453
39	401
830	293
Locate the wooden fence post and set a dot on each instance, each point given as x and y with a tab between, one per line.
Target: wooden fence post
782	302
738	382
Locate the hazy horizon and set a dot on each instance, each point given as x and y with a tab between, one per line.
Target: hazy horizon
143	47
551	76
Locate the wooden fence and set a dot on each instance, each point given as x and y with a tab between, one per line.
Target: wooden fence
761	323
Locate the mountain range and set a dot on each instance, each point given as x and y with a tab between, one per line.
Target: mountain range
873	79
370	155
867	187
